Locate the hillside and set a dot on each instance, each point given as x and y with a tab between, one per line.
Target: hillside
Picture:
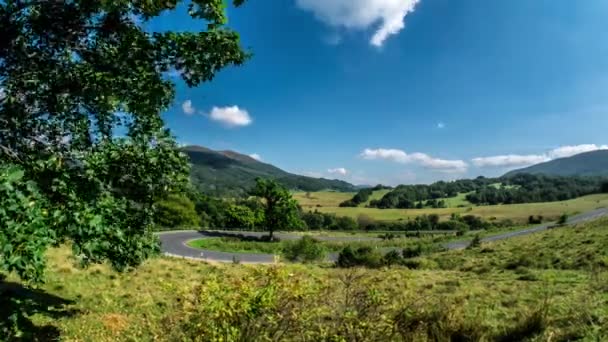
231	173
493	293
585	164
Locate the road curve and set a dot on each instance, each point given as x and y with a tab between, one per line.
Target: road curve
175	243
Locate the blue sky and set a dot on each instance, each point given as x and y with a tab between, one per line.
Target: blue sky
404	91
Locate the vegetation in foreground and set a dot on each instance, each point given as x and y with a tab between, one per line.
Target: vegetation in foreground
547	286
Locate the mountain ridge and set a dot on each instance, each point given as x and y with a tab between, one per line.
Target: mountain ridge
230	173
594	163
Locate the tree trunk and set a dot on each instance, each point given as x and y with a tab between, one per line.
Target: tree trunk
270	236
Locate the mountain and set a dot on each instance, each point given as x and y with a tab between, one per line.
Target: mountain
585	164
229	173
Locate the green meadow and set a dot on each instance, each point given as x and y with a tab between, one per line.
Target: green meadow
519	213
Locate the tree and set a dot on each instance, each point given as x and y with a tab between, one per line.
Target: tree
176	211
280	209
82	89
240	216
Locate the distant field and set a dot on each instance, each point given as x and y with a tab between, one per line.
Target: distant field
322	198
516	212
459	200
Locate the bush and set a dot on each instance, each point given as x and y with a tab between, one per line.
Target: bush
366	222
344	223
535	219
363	256
392	258
476	242
563	219
306	249
412	251
176	212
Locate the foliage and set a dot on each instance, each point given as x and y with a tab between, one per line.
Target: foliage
520	188
563	219
280	209
306	249
24	234
475	243
241	217
360	197
535	219
83	90
362	256
320	221
444	297
238	244
176	212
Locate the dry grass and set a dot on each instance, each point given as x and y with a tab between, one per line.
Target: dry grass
483	288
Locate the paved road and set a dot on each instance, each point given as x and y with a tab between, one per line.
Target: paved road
174	243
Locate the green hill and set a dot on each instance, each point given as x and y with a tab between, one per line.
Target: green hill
585	164
228	173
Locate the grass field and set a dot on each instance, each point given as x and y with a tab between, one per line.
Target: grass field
310	200
235	245
552	286
376	195
516	212
458	201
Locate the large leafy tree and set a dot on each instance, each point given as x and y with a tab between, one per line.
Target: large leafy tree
84	153
280	209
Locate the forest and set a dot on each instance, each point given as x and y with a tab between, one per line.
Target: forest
520	188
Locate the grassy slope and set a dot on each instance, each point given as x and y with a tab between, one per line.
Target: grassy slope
322	198
459	200
376	195
491	288
516	212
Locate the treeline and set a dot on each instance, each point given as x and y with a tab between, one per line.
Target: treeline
433	195
527	188
362	196
521	188
196	210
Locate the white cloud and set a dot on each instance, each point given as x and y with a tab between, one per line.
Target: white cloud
2	93
387	16
440	125
511	160
188	108
568	151
256	156
423	159
515	160
338	171
230	116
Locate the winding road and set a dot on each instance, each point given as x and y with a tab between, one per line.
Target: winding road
175	243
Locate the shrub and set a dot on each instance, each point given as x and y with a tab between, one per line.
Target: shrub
387	236
392	258
475	243
412	251
453	225
535	219
563	219
176	212
363	256
306	249
366	222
